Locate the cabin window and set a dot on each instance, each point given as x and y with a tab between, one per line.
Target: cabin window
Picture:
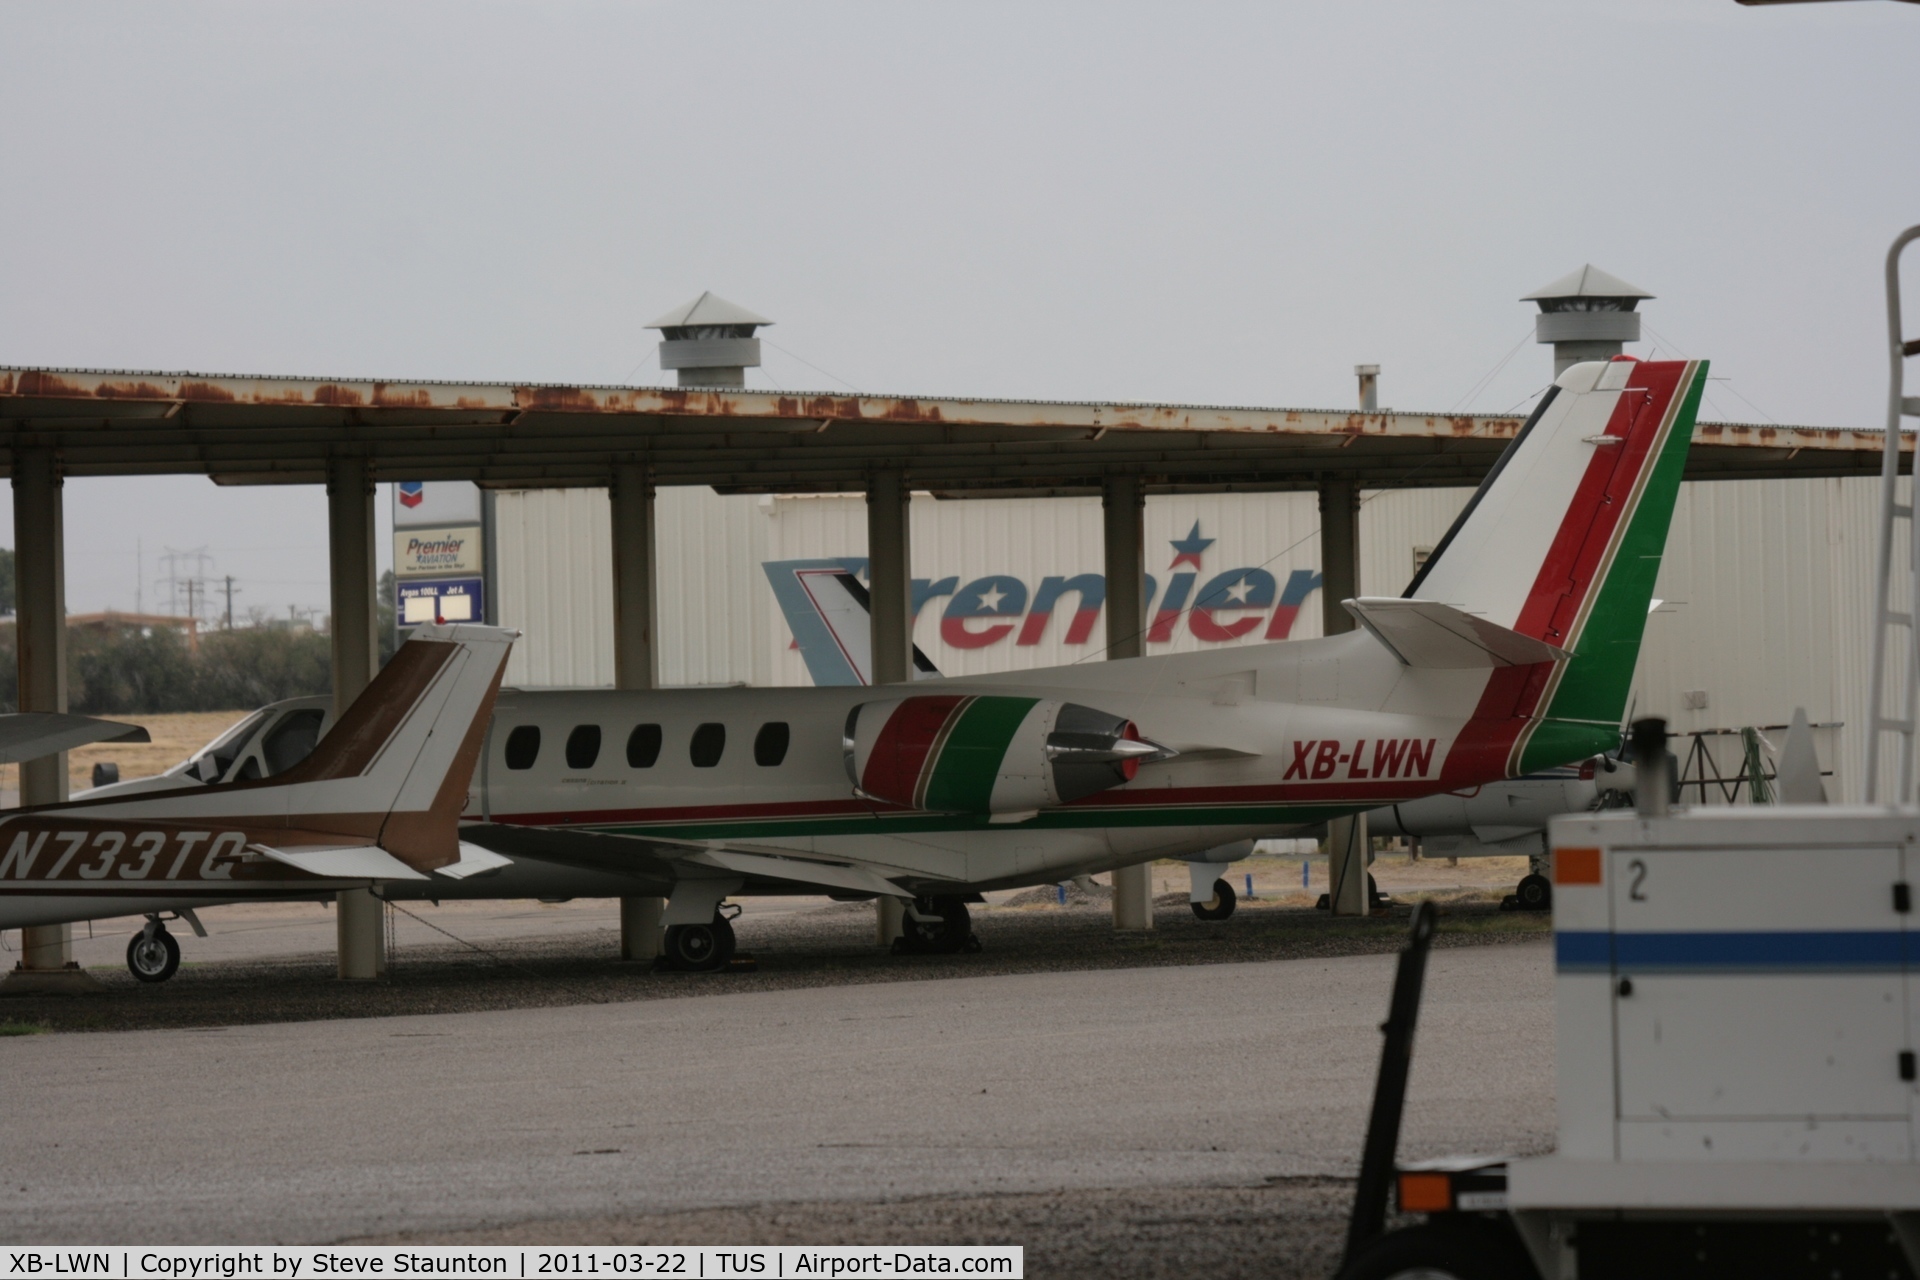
643	746
709	744
770	744
523	746
583	746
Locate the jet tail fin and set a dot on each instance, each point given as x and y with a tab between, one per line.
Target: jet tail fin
1563	541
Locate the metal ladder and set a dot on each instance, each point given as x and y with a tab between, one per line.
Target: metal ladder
1886	618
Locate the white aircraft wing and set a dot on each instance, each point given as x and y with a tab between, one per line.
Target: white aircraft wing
28	735
831	875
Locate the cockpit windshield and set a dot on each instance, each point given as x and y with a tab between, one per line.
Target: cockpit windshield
211	762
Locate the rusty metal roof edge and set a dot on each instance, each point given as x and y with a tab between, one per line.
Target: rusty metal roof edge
183	375
8	375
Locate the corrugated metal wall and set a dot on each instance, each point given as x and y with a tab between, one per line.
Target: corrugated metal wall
555	580
713	614
1765	586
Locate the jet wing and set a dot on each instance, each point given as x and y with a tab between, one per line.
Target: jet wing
665	862
28	735
831	875
1426	633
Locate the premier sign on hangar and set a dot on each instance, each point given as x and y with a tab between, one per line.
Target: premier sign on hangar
438	553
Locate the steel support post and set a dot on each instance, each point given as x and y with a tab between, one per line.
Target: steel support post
39	531
635	663
361	942
890	582
1347	842
890	575
1123	504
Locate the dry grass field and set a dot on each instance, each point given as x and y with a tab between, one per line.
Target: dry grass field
175	737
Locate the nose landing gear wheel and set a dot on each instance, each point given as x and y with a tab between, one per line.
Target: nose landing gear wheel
1221	906
948	933
701	947
1535	893
153	955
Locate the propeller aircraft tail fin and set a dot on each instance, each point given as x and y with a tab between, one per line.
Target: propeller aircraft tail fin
406	748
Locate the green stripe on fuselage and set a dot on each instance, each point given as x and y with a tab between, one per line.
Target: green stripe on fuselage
970	758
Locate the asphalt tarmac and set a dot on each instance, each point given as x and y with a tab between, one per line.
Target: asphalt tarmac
1034	1105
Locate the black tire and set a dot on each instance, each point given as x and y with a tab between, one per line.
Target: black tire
153	957
1535	893
1445	1249
943	936
1222	905
701	948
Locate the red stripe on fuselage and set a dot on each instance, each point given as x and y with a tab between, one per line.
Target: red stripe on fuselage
698	813
1370	794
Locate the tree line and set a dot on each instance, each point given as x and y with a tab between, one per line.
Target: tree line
119	671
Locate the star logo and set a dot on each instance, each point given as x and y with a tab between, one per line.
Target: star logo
990	599
1187	550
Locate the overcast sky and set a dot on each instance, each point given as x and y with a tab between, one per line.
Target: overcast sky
1212	203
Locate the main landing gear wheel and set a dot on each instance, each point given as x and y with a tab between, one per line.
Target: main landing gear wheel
1221	906
1446	1249
1535	893
949	931
701	947
153	955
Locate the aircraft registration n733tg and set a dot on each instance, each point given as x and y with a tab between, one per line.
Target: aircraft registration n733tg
1511	652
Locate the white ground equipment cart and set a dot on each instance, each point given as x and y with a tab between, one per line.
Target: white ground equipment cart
1738	1000
1738	993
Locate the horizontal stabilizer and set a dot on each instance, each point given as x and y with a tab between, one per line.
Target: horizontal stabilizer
28	735
1426	633
474	861
342	862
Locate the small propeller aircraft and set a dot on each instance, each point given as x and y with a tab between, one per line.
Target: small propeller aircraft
377	801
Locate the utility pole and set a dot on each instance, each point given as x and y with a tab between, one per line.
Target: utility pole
229	602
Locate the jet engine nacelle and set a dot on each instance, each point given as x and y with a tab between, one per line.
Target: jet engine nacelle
988	753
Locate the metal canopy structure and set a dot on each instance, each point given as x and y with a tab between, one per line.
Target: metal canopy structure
274	430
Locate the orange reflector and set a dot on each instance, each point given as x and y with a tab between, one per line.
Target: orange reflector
1425	1193
1576	866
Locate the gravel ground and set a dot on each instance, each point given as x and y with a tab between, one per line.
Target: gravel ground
830	946
1290	1229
